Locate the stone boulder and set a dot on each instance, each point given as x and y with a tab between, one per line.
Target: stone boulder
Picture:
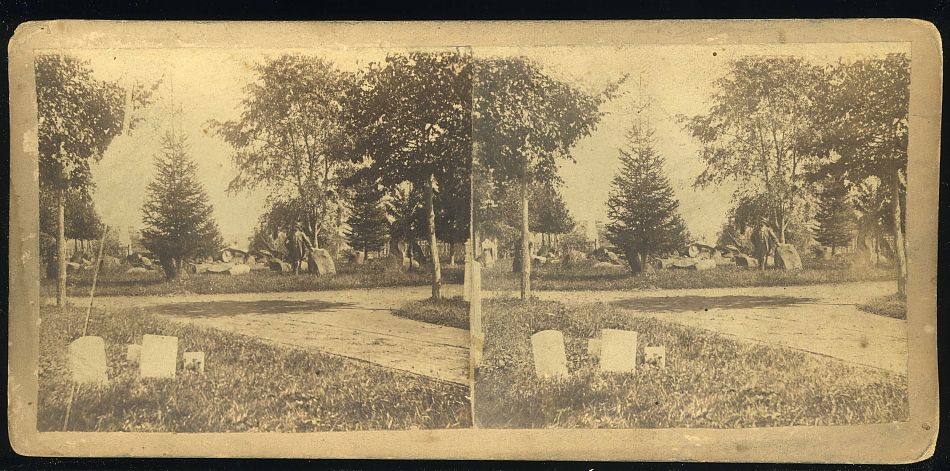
322	261
745	261
787	258
219	268
137	270
239	269
278	265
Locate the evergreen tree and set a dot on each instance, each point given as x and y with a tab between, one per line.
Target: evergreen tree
367	221
177	214
644	217
835	215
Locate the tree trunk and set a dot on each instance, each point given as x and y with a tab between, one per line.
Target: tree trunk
433	242
899	248
525	245
61	249
452	254
409	255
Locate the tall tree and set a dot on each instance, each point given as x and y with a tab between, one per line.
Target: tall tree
834	216
179	219
78	117
411	119
549	212
643	211
759	132
525	123
865	118
367	222
290	139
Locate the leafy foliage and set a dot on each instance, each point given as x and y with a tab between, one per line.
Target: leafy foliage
290	140
835	216
643	211
178	217
78	117
367	222
760	132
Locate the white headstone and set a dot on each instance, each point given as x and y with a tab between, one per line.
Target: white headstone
550	361
195	361
87	360
159	356
655	356
133	353
618	351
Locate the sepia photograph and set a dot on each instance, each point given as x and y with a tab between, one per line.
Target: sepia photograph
617	240
253	240
692	236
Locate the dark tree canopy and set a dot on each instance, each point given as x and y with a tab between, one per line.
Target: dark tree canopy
865	119
549	213
410	116
835	218
643	211
78	116
368	224
179	219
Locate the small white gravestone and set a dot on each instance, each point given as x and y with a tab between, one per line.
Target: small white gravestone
655	356
593	348
87	360
550	361
195	361
159	356
618	351
133	353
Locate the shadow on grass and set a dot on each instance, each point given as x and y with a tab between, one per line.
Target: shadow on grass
700	303
213	309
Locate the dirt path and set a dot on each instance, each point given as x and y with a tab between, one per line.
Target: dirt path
820	319
352	323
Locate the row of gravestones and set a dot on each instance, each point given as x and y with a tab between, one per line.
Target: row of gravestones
615	349
157	357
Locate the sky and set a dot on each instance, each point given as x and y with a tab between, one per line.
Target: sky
205	84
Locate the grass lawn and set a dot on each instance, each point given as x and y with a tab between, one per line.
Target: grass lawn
248	385
584	276
892	305
450	312
116	282
710	381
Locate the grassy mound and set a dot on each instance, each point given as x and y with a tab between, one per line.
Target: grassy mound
450	312
248	385
892	305
710	380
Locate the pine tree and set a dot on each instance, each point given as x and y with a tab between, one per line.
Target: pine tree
643	211
177	214
835	215
367	221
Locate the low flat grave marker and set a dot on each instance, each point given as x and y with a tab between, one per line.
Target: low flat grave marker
655	356
550	361
87	360
194	361
159	356
618	353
